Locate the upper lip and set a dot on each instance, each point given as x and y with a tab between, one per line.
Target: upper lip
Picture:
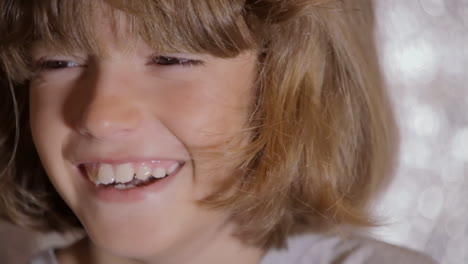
83	153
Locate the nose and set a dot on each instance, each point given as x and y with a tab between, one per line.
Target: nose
108	112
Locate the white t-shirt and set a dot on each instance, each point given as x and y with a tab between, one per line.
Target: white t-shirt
320	249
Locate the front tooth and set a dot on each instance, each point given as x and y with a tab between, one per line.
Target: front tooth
144	172
159	173
124	173
106	174
173	168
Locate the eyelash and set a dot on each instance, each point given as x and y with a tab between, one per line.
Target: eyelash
172	61
51	65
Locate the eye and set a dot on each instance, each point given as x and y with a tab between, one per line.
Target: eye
47	65
172	61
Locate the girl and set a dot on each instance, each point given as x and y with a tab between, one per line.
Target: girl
216	131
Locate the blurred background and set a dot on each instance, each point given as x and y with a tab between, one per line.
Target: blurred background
424	52
423	47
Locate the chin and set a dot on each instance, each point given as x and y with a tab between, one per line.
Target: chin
133	243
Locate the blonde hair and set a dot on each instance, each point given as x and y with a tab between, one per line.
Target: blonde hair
322	132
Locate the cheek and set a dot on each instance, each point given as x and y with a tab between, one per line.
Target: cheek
46	102
206	117
45	115
205	114
47	129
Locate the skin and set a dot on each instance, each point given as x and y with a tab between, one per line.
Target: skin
123	106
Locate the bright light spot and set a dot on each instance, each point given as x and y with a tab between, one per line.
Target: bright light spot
460	145
415	153
430	202
423	120
414	60
401	199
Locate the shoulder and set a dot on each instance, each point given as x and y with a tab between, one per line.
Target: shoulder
321	249
44	257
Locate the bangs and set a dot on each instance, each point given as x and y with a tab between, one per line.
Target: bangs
214	27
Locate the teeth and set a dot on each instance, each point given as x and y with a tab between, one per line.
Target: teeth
173	168
159	173
120	186
105	174
144	172
93	174
124	187
124	173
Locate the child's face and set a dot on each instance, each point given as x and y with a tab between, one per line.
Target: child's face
126	116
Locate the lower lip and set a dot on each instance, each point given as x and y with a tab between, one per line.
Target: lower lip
114	195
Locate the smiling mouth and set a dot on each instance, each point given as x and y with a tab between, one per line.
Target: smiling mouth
129	175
